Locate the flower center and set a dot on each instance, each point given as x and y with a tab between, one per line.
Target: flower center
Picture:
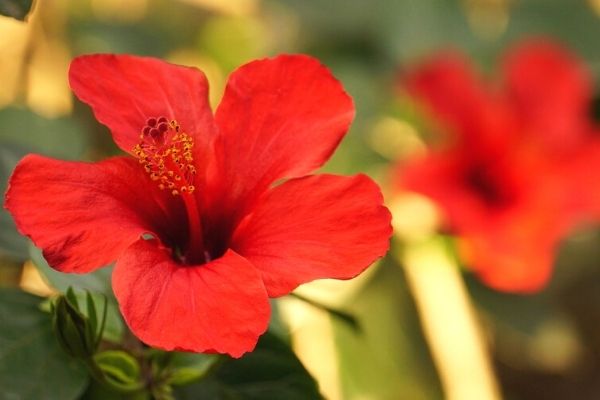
492	191
166	154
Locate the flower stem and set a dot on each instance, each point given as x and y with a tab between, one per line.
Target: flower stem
449	322
347	318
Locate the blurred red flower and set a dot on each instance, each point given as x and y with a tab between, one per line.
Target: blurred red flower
513	174
200	235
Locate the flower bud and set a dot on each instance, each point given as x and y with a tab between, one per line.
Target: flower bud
76	332
120	371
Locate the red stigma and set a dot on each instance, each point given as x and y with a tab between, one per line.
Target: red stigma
166	155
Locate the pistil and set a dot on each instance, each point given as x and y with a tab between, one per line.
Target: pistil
165	153
195	252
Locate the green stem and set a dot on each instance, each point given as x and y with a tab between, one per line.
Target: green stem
347	318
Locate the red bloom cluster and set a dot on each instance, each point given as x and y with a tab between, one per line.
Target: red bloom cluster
201	235
515	172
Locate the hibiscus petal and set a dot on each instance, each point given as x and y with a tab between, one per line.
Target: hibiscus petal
450	89
83	215
441	177
219	307
551	91
322	226
124	91
279	118
509	263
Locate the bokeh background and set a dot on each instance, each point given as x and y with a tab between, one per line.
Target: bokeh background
539	346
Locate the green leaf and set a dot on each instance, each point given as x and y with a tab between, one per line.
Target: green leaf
26	132
12	244
96	282
15	8
499	307
91	311
70	295
342	316
62	138
99	391
272	371
32	365
390	359
573	23
190	367
113	328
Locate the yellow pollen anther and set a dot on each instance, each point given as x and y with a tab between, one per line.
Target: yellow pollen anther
165	153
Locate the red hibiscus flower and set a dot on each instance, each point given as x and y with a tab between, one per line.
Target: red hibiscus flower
512	174
201	234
